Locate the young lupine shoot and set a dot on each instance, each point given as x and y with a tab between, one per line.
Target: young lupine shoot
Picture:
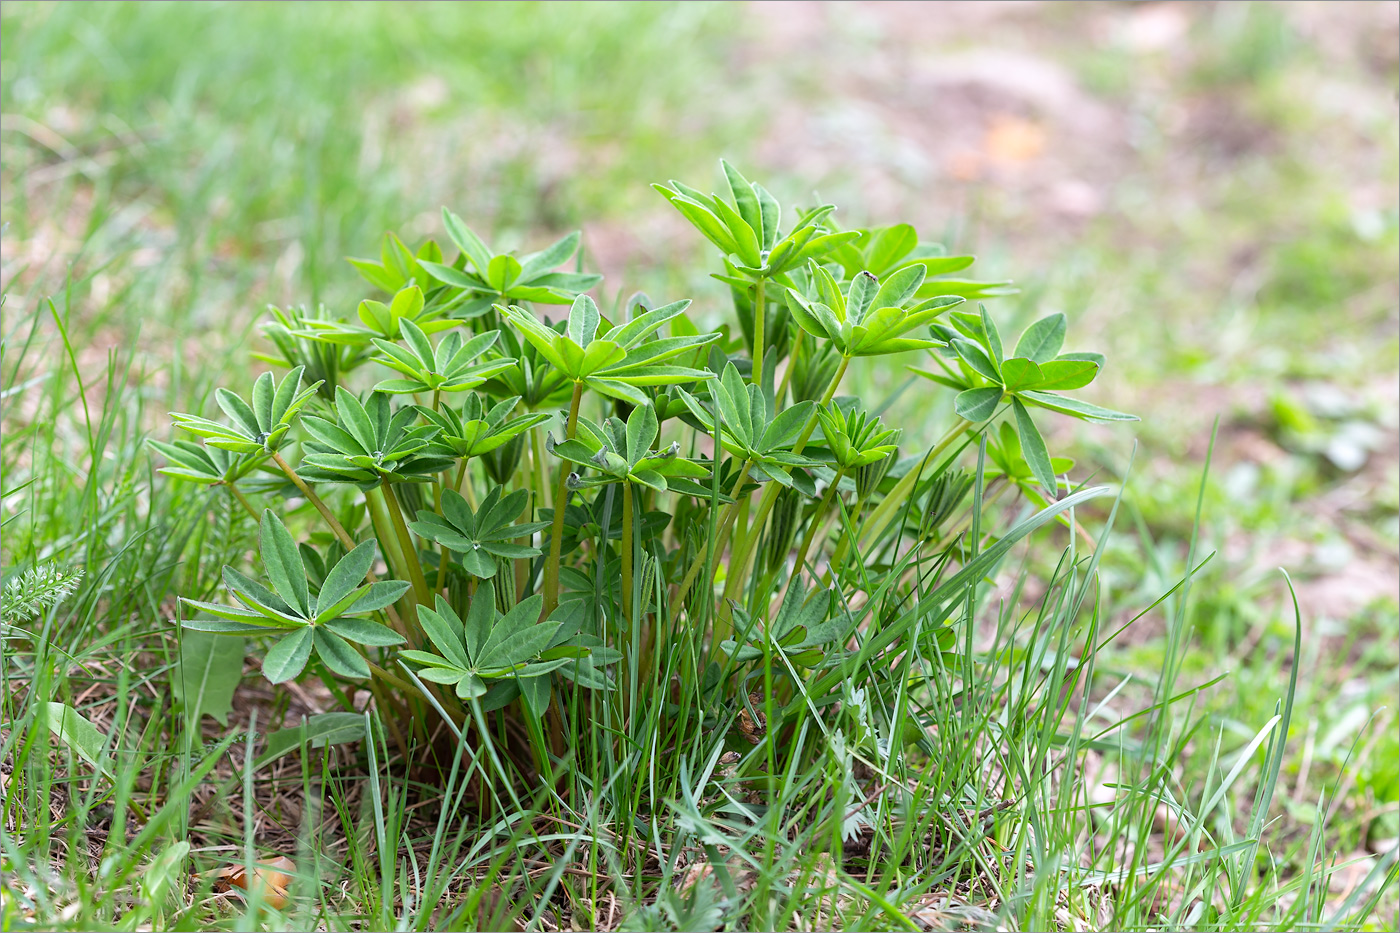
473	430
258	427
613	361
1034	377
449	367
325	623
501	277
370	442
480	536
380	320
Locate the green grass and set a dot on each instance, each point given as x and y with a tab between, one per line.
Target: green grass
211	159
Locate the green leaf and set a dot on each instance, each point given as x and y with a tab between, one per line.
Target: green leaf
1043	339
551	256
342	580
1018	373
446	636
641	431
283	563
503	272
977	358
337	654
978	404
535	692
1066	374
75	731
288	657
891	245
206	675
745	198
989	329
377	596
1075	408
468	242
364	632
317	731
1033	449
583	321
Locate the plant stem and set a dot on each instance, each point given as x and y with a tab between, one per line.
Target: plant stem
415	569
701	559
740	558
242	500
315	500
792	364
627	550
884	512
561	498
442	554
537	454
817	518
760	293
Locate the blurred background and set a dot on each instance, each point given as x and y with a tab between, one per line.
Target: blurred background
1208	190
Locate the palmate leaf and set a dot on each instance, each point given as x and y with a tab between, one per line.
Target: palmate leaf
747	231
368	441
613	361
253	428
323	623
502	275
473	430
489	648
450	367
482	535
871	318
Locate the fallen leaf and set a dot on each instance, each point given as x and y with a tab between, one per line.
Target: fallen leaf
271	878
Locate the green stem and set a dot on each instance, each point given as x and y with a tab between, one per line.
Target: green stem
740	559
884	513
542	486
760	293
701	559
627	550
315	500
242	500
817	518
792	364
415	568
561	498
442	554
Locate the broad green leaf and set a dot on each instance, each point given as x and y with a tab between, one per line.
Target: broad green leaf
342	580
745	199
317	731
891	245
206	675
1076	408
378	595
502	272
1066	374
977	405
445	636
287	658
977	358
1043	339
535	692
1033	449
338	655
364	632
283	563
468	242
1018	373
75	731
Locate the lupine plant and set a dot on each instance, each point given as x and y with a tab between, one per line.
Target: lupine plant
527	506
